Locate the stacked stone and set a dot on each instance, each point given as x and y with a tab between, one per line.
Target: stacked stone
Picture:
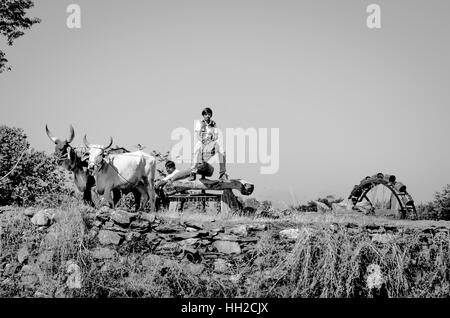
113	227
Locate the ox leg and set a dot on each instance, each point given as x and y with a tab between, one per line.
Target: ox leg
87	197
107	196
150	192
87	194
117	195
144	195
137	199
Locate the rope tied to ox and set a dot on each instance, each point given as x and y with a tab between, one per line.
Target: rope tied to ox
15	166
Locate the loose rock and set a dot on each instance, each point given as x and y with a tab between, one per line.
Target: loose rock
74	279
122	217
41	218
108	237
240	230
227	247
220	266
23	254
290	234
101	253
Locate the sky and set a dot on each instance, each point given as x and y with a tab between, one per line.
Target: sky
348	101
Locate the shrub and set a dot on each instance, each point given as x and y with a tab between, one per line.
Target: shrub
27	176
442	203
439	209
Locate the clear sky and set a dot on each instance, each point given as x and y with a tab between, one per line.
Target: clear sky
349	101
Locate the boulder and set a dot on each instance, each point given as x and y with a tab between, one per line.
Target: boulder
185	235
29	212
225	237
150	217
74	278
171	248
101	253
132	236
290	234
194	225
240	230
220	266
22	254
140	225
10	269
109	237
29	276
257	227
227	247
189	242
122	217
322	207
45	259
165	228
374	278
195	269
41	218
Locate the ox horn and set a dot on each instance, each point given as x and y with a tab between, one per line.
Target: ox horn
72	134
86	143
50	135
110	143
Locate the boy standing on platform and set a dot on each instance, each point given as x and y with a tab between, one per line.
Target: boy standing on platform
207	145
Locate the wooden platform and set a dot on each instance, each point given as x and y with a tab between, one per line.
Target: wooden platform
227	199
177	201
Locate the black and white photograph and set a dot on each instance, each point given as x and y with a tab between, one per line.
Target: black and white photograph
223	155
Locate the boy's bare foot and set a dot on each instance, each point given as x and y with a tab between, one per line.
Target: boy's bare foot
192	177
223	177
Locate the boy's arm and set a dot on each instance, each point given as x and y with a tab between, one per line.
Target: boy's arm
197	130
215	134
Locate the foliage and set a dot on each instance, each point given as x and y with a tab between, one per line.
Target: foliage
36	179
439	209
442	203
13	21
426	211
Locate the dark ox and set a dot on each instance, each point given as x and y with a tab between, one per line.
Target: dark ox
132	170
77	163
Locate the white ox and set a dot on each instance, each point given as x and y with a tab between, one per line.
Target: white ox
127	171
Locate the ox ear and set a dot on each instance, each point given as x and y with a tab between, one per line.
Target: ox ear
50	135
72	134
85	141
110	143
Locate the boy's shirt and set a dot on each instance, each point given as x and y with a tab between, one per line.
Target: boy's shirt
207	131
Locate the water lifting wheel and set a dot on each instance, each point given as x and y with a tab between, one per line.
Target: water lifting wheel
398	199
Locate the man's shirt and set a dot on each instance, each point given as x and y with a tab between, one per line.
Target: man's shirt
169	176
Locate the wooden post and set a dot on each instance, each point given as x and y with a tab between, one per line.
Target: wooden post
228	203
173	206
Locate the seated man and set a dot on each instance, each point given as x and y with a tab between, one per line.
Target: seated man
171	171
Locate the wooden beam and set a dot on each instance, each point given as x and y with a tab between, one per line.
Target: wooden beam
243	186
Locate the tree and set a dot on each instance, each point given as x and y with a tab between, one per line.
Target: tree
27	176
13	22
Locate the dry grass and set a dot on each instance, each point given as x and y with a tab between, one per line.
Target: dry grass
324	262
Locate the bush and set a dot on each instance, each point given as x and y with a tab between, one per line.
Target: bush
28	176
426	211
442	203
439	209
